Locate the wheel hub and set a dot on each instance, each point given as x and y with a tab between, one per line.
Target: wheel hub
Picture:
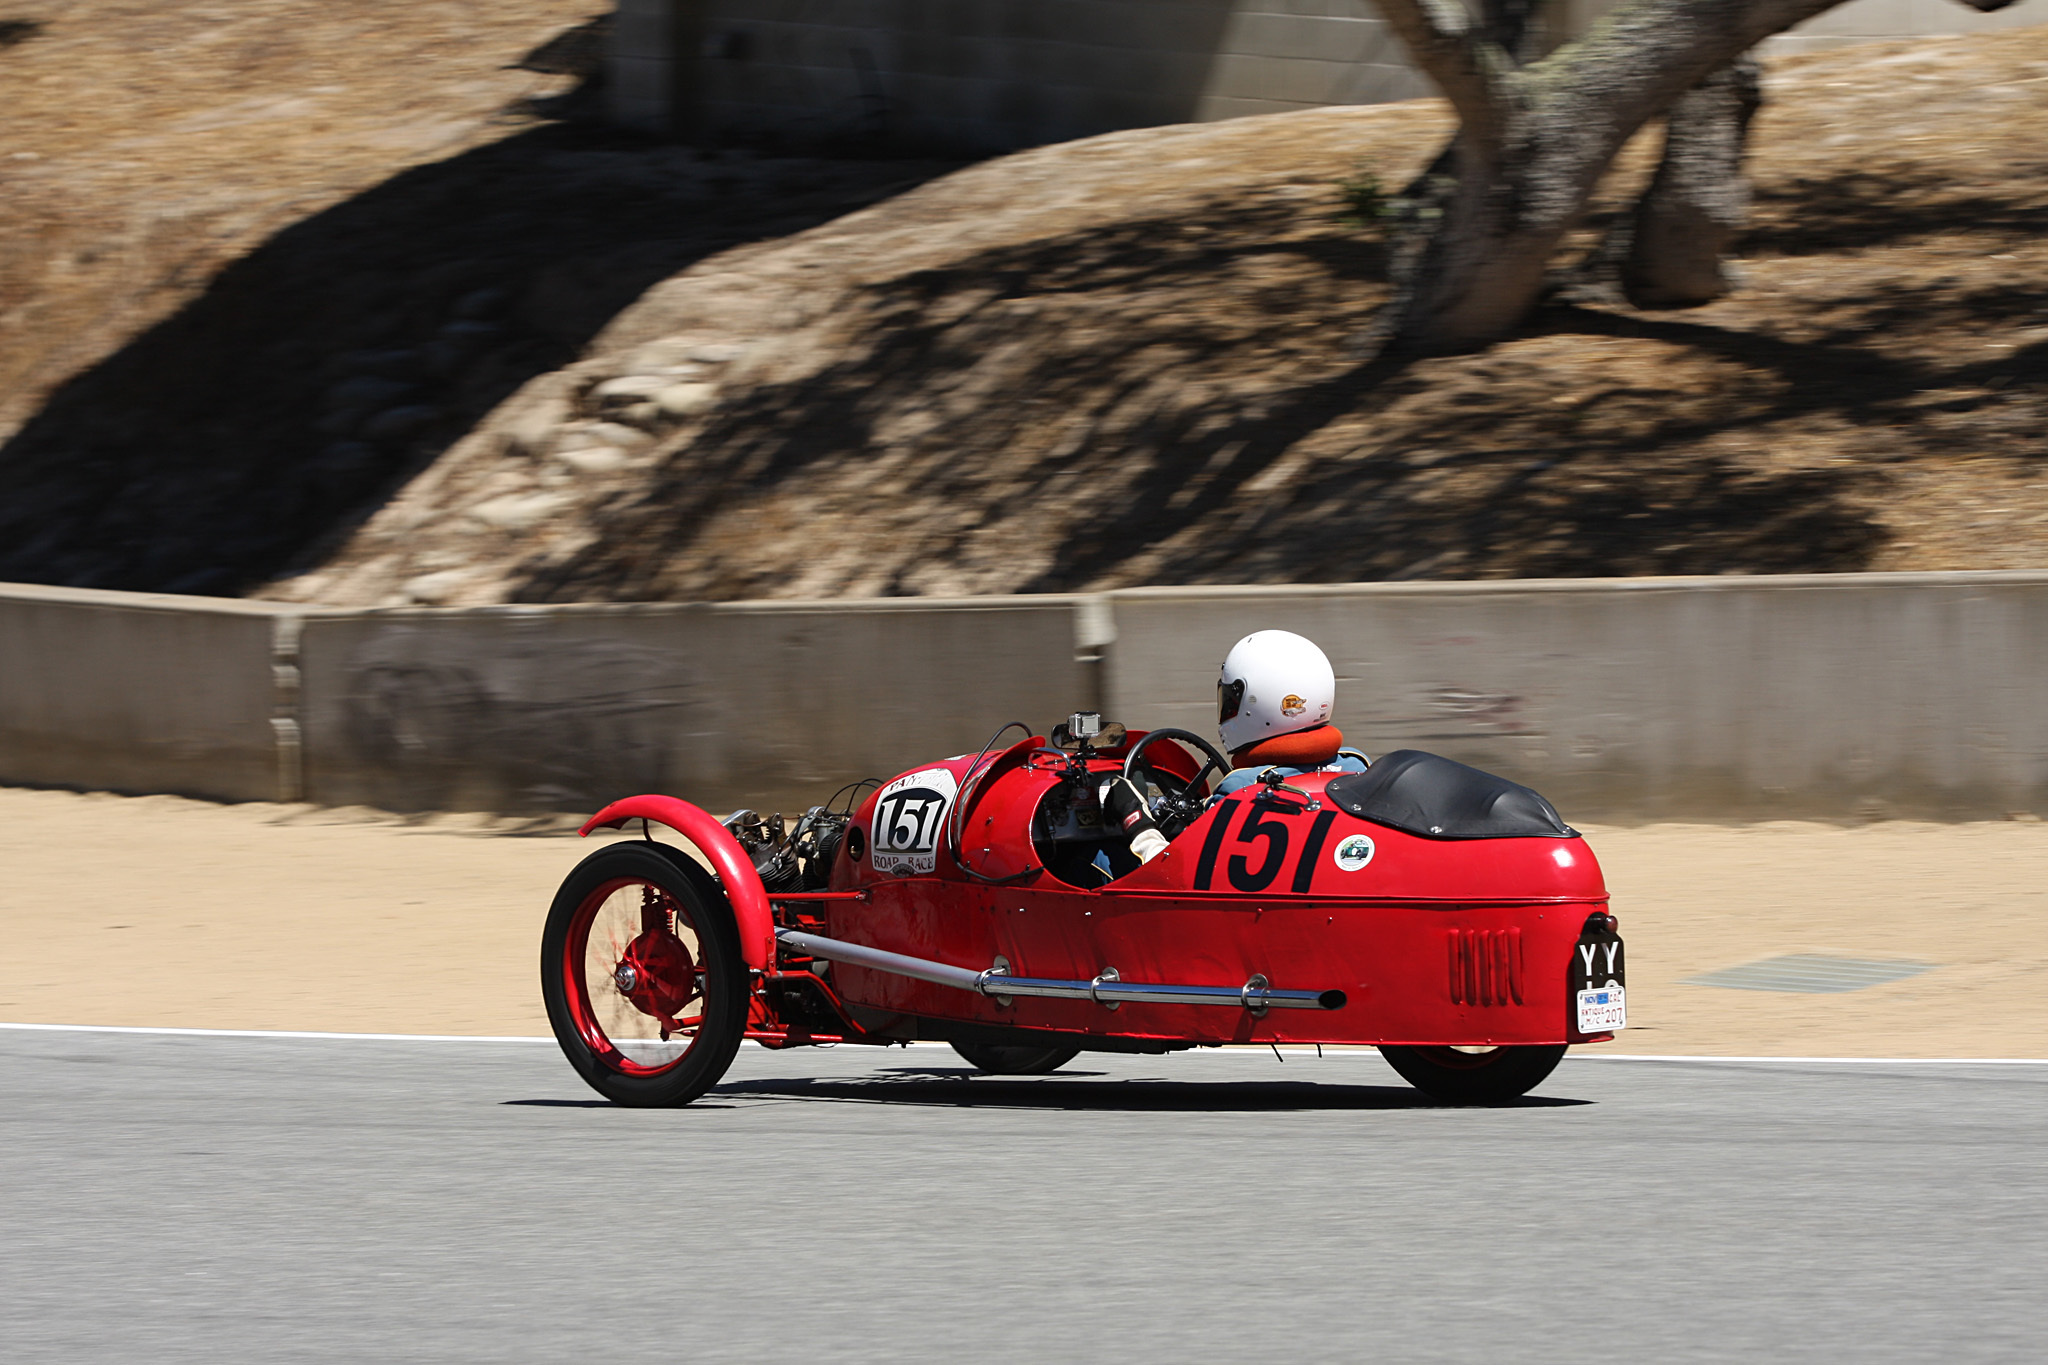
657	975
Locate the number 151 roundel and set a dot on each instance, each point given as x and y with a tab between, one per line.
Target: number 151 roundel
909	815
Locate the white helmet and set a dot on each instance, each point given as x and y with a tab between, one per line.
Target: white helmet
1274	682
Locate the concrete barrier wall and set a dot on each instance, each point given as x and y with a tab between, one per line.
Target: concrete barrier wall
1906	694
989	75
138	692
1858	21
1832	696
1863	21
993	75
763	704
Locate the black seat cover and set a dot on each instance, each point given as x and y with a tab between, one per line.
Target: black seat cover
1420	793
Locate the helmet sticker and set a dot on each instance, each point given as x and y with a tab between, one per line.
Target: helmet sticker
1292	705
1354	851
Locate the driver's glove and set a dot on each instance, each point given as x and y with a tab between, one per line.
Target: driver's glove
1127	811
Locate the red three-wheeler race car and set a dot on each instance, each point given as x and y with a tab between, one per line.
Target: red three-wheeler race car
1446	916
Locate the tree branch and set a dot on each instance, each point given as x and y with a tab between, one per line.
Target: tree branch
1645	54
1474	73
1533	142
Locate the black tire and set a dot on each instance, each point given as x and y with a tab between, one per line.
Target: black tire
1015	1059
627	1053
1494	1077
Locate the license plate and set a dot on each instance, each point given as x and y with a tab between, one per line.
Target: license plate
1604	1010
1599	974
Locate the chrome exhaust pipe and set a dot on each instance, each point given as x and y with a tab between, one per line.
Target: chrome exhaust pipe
1108	990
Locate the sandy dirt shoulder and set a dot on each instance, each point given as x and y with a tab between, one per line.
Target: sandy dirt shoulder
160	911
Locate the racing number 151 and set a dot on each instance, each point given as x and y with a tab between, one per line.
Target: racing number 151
1263	825
909	820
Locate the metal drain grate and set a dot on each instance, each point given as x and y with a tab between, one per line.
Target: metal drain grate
1811	973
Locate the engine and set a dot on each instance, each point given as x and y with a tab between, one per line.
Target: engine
790	859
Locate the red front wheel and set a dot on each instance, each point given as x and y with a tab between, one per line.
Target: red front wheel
641	971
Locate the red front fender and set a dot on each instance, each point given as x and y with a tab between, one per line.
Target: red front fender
742	884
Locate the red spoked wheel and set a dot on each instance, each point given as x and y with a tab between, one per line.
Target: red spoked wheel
1474	1075
641	971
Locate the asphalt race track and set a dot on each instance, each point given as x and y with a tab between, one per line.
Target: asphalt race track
174	1198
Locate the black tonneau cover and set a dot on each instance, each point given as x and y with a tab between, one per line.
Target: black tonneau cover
1420	793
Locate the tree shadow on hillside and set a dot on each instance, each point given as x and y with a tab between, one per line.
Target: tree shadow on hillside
315	375
980	355
1157	469
1633	481
1483	488
1884	206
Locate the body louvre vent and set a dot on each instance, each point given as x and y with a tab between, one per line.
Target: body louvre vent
1486	966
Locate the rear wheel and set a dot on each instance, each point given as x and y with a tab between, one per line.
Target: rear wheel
640	967
1492	1075
1006	1059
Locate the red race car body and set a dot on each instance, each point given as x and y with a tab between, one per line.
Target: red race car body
1442	914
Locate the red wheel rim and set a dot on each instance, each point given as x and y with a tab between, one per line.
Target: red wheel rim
634	978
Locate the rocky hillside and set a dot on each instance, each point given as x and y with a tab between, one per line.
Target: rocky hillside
1133	360
1126	360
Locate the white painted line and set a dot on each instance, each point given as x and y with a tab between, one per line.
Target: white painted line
1831	1061
274	1033
1334	1051
1338	1050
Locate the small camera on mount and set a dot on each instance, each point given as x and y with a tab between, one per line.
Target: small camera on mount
1084	732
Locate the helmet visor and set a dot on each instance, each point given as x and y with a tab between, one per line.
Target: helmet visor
1229	697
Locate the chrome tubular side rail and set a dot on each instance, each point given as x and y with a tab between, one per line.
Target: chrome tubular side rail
1106	989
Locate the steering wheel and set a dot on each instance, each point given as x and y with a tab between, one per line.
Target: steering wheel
1180	801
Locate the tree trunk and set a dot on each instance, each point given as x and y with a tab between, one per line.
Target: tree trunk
1512	24
1699	200
1534	139
1422	251
1469	275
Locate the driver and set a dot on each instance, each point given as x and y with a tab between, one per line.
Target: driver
1273	704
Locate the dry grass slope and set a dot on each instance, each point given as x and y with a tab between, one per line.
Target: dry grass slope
1132	360
262	264
383	336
